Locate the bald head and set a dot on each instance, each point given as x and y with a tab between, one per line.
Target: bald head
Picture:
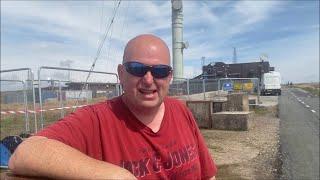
146	48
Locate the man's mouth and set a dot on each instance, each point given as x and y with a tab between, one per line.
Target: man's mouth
147	91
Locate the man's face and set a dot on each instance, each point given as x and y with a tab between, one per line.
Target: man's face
146	91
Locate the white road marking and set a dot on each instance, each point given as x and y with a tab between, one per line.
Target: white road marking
313	111
307	106
302	102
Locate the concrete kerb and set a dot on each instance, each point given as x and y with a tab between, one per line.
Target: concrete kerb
202	112
234	121
221	111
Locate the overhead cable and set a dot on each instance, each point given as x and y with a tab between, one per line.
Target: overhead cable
99	49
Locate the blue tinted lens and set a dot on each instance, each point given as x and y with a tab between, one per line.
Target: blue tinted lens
139	69
136	69
160	71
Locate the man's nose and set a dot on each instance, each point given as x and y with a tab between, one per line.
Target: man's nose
148	78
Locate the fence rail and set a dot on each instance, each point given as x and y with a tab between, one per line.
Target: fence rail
58	98
24	82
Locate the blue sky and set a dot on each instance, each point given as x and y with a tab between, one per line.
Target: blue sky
35	34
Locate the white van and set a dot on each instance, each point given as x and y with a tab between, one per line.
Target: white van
271	83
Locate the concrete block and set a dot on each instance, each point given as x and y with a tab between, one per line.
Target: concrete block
236	121
253	102
237	102
201	110
219	106
217	95
219	99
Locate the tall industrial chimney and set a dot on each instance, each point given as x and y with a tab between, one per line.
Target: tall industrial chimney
177	39
234	55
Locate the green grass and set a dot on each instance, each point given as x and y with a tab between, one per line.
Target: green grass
314	91
11	125
260	111
14	124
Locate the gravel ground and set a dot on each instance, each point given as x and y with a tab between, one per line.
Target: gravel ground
251	154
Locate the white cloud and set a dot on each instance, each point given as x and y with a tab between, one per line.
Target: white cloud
255	11
39	33
78	24
191	71
295	57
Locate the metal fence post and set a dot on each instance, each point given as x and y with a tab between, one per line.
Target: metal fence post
26	117
118	90
34	103
204	89
87	93
259	92
25	94
188	88
40	98
61	103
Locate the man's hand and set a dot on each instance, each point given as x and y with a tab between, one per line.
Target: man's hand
40	156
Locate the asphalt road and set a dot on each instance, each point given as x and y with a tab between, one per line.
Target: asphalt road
299	134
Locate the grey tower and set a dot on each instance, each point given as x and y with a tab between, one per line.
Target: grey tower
177	39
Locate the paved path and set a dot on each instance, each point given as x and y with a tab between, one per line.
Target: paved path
299	134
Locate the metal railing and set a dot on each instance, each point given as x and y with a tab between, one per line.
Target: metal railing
30	77
201	87
178	87
118	88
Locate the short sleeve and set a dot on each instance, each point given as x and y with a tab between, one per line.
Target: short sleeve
74	130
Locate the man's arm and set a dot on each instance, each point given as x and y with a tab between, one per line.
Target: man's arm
40	156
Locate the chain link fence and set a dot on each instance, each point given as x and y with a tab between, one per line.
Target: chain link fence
199	88
62	90
17	102
28	104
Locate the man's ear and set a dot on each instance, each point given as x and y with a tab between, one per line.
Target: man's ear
120	72
170	76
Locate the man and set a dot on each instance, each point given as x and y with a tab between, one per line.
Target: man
141	134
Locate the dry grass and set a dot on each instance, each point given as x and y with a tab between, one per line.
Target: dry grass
15	124
313	88
49	104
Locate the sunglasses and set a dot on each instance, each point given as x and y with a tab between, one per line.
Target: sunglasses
139	69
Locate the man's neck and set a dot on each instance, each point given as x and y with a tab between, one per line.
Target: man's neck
151	117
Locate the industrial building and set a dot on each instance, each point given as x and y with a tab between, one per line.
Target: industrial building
236	70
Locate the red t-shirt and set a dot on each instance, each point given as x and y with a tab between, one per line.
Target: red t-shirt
109	132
